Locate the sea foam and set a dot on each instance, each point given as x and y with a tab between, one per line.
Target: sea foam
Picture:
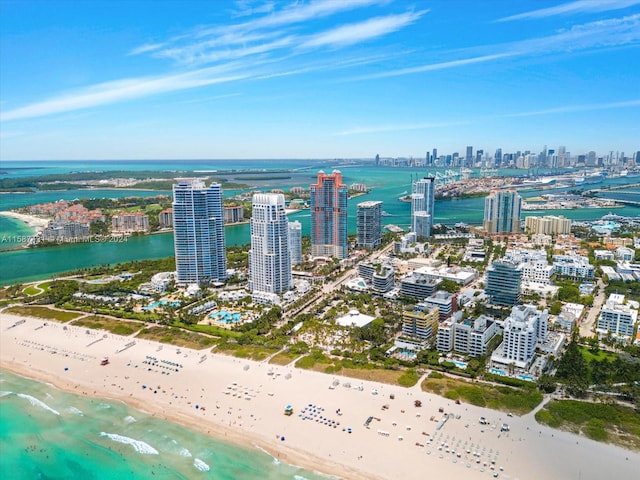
138	445
129	419
184	452
200	465
75	411
4	394
38	403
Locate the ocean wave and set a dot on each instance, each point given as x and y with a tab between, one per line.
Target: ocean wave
129	419
4	393
184	452
138	445
200	465
75	411
275	460
38	403
104	406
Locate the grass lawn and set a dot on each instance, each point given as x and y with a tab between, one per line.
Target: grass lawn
602	422
516	400
284	358
177	337
43	312
245	351
31	290
598	357
118	327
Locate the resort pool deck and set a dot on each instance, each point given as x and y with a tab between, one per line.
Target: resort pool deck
222	316
461	365
407	353
161	303
497	371
527	378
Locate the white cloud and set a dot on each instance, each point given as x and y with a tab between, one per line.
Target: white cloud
146	48
580	6
119	90
576	108
358	32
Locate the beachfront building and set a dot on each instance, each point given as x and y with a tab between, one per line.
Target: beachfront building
524	329
422	206
269	259
369	224
420	324
466	336
198	232
504	279
576	267
295	242
502	211
165	218
547	225
233	214
329	216
126	223
617	317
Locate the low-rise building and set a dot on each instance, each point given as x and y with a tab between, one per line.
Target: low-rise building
466	336
617	317
573	266
446	302
126	223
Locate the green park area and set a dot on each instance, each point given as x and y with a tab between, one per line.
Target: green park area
177	337
611	423
505	398
42	312
118	327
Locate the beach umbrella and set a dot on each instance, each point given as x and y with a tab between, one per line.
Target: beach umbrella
246	367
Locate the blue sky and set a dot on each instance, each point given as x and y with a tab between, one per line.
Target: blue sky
85	79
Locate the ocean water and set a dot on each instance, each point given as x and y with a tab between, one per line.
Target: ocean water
49	434
386	184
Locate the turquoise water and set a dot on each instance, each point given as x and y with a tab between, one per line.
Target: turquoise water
159	303
459	364
223	316
387	184
49	434
527	378
408	353
497	371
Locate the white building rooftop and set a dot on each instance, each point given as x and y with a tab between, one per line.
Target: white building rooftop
354	319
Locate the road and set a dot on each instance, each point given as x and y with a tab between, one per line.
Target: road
588	324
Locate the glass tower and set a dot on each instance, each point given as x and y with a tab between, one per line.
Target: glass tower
198	232
369	224
502	210
503	283
329	216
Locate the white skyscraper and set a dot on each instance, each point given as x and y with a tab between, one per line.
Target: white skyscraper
295	242
422	206
269	258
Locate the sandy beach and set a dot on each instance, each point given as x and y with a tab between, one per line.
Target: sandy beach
34	222
243	402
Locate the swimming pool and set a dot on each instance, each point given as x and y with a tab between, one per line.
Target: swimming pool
497	371
461	365
527	378
222	316
161	303
408	353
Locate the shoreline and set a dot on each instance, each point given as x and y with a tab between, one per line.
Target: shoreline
244	403
33	221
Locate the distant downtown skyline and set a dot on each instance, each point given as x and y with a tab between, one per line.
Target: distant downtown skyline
316	79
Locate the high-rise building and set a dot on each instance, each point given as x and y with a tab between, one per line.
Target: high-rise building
504	278
295	242
468	159
524	330
329	216
422	206
269	259
369	224
198	232
502	211
498	157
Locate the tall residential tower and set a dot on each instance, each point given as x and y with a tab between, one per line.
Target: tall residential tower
422	206
502	211
369	224
269	259
329	216
198	232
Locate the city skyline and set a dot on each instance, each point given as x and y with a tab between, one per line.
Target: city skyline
343	79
